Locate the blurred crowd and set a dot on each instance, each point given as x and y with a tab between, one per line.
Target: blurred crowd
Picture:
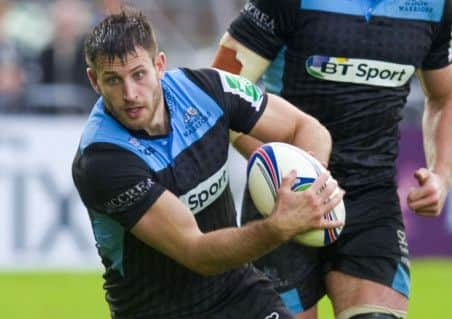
42	68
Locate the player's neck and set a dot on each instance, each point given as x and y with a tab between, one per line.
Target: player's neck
160	122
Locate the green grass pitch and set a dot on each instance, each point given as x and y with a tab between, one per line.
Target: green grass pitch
80	295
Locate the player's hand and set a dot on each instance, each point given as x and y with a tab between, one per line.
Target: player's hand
428	198
298	212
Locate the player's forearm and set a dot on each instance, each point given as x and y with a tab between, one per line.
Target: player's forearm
219	251
293	213
437	131
246	144
313	137
310	136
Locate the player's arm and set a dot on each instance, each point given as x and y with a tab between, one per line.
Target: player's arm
131	195
281	121
170	227
429	198
287	123
234	57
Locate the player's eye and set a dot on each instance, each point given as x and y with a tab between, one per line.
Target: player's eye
112	80
139	74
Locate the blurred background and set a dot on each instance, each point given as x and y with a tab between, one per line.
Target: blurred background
46	242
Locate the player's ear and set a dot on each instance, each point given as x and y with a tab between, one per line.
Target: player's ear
92	76
160	63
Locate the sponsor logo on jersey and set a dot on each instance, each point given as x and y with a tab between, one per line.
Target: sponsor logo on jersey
242	87
207	191
129	197
259	18
360	71
193	120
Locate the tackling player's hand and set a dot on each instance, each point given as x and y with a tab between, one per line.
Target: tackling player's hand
298	212
428	198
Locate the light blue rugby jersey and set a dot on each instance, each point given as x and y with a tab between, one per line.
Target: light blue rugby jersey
190	162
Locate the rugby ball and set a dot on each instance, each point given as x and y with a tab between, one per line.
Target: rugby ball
265	170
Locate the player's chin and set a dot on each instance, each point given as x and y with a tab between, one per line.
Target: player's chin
133	124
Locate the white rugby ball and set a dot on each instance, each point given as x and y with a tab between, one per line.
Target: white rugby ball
266	168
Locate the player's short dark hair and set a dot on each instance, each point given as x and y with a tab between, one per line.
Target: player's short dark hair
118	35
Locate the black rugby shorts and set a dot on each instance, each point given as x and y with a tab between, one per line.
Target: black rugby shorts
372	246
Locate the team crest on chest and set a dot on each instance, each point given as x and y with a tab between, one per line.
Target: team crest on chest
193	120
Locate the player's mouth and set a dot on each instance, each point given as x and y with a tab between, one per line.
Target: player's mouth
134	112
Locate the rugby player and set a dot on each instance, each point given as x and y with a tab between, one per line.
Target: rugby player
151	170
349	64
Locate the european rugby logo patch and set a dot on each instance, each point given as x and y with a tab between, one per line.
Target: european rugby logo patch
243	87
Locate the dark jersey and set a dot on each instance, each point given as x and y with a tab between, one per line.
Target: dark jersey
348	63
120	174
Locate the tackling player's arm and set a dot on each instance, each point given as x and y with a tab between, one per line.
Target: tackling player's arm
307	132
170	227
428	199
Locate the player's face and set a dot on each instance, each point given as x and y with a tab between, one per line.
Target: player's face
132	91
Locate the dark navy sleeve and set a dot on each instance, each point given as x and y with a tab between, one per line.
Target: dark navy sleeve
440	54
241	101
264	25
115	182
